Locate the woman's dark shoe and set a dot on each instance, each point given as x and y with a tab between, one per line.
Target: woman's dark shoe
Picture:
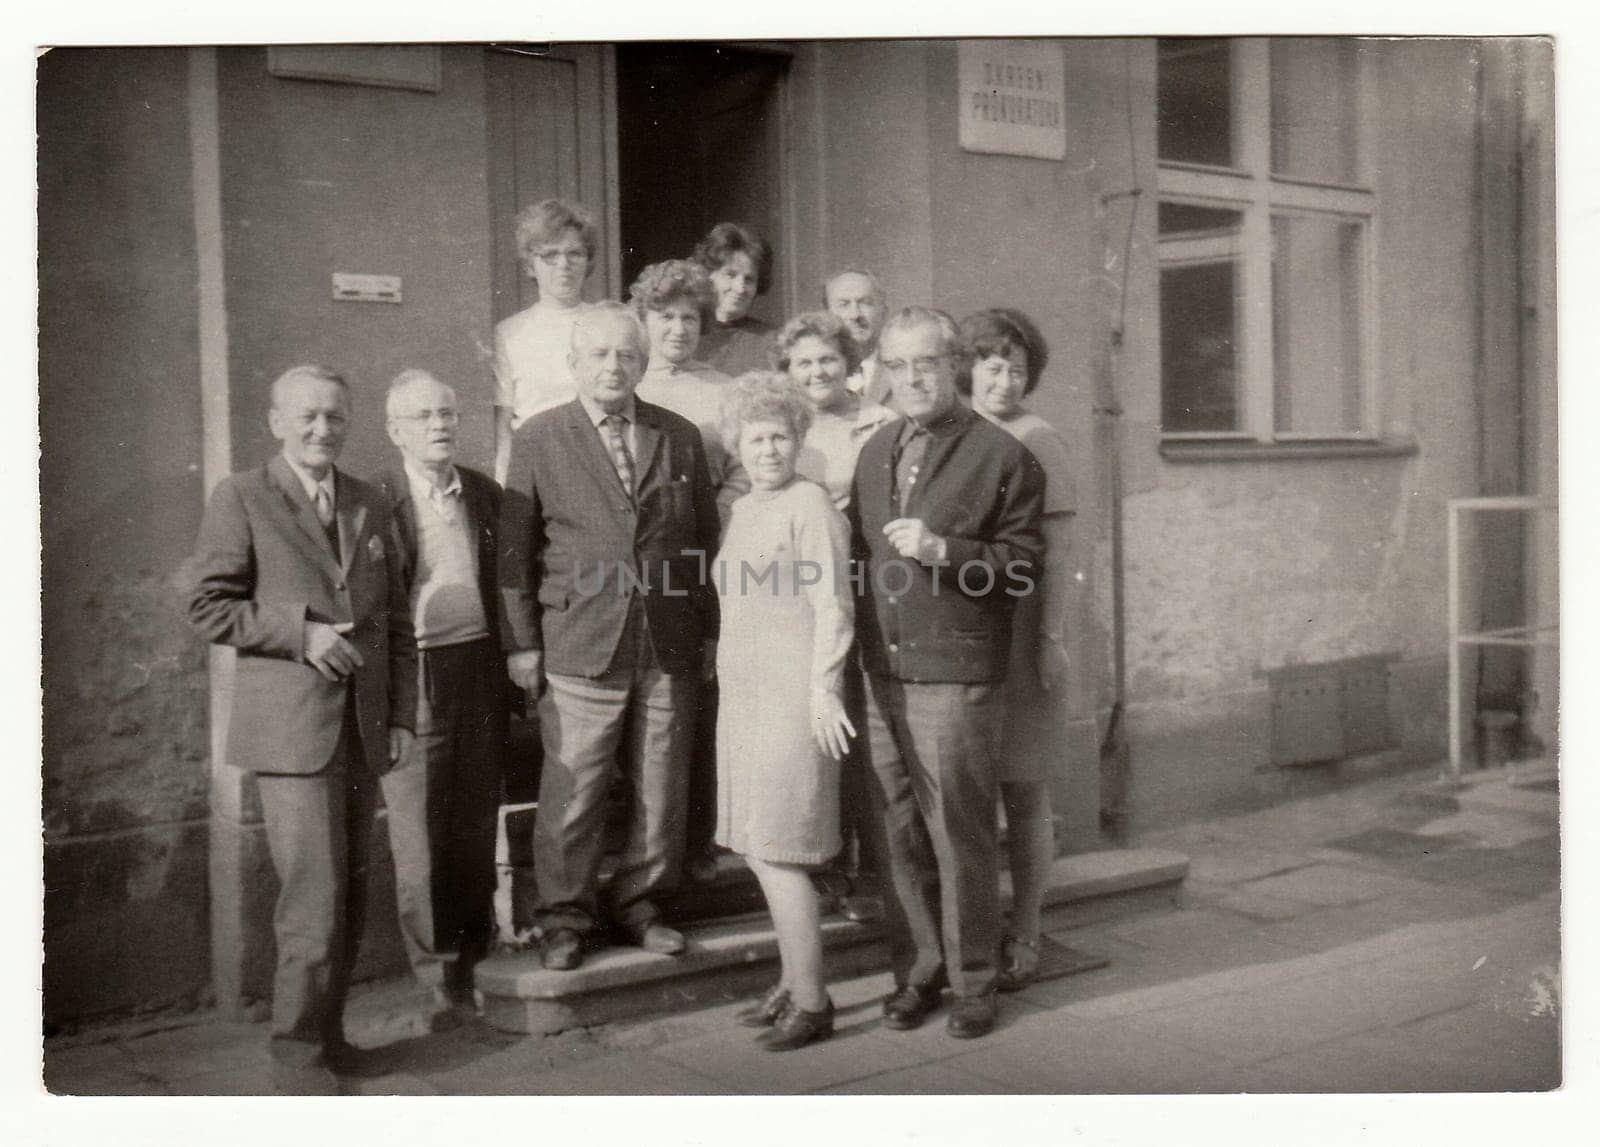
1019	964
765	1013
797	1027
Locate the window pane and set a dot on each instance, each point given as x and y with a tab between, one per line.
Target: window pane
1316	324
1186	218
1199	341
1194	109
1314	108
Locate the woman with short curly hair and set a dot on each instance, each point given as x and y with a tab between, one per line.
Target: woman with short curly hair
1008	360
740	265
781	661
557	243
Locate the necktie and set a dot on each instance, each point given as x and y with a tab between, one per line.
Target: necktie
909	465
617	442
324	504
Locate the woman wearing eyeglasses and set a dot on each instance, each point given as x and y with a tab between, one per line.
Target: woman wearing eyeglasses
1009	357
556	244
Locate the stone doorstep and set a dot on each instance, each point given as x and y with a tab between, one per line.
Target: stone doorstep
731	958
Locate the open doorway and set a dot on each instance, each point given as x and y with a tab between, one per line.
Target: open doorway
699	141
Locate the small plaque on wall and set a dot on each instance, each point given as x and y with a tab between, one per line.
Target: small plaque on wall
413	66
1013	98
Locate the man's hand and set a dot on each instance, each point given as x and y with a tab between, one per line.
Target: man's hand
912	539
526	670
328	652
708	659
1053	663
400	744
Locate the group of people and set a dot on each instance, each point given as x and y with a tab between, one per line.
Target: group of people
793	593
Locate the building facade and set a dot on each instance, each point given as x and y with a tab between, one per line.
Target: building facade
1298	294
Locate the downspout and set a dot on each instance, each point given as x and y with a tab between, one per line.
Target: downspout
1116	760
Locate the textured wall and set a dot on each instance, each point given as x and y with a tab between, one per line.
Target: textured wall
124	684
321	177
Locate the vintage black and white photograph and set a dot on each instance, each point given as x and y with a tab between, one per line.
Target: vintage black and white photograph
905	566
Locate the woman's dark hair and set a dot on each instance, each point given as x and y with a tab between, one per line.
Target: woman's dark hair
726	240
999	331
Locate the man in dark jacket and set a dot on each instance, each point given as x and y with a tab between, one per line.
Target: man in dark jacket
443	829
945	515
609	520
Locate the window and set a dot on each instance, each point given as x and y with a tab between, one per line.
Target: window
1265	238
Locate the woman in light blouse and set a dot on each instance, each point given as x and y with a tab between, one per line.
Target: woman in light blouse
816	351
674	298
556	244
781	658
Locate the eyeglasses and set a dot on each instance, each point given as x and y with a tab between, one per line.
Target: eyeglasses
551	256
423	417
921	367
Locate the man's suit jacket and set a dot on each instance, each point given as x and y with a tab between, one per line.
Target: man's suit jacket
481	494
262	567
982	491
567	524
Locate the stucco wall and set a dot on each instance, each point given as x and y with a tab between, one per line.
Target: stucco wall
1232	569
323	177
119	407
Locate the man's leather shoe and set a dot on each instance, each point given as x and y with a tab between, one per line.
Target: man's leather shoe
796	1028
905	1008
561	949
861	909
972	1016
658	938
765	1013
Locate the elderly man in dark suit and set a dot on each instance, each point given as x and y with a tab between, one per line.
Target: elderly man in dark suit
945	516
610	520
443	824
293	569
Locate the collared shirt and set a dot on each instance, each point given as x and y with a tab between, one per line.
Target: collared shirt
311	484
446	604
630	411
870	381
911	449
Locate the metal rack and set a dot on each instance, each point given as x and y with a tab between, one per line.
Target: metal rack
1538	634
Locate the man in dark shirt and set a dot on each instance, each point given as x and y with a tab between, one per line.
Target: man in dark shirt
945	515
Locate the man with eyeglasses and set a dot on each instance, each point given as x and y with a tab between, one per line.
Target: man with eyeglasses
444	807
609	520
944	515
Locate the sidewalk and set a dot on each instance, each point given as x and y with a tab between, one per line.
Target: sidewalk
1390	937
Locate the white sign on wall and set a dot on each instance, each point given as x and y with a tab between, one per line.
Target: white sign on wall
1013	96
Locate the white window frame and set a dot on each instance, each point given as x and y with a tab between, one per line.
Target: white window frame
1253	189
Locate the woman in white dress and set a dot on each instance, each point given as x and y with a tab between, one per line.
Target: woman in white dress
556	244
782	728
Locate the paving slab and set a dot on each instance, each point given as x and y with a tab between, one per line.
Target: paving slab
936	1078
1077	1057
1330	884
631	1073
735	1062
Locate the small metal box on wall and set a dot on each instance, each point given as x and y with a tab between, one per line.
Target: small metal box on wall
1330	710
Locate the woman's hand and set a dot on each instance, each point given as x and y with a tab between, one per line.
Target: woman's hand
830	728
1053	663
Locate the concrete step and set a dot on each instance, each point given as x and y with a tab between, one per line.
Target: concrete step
734	957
